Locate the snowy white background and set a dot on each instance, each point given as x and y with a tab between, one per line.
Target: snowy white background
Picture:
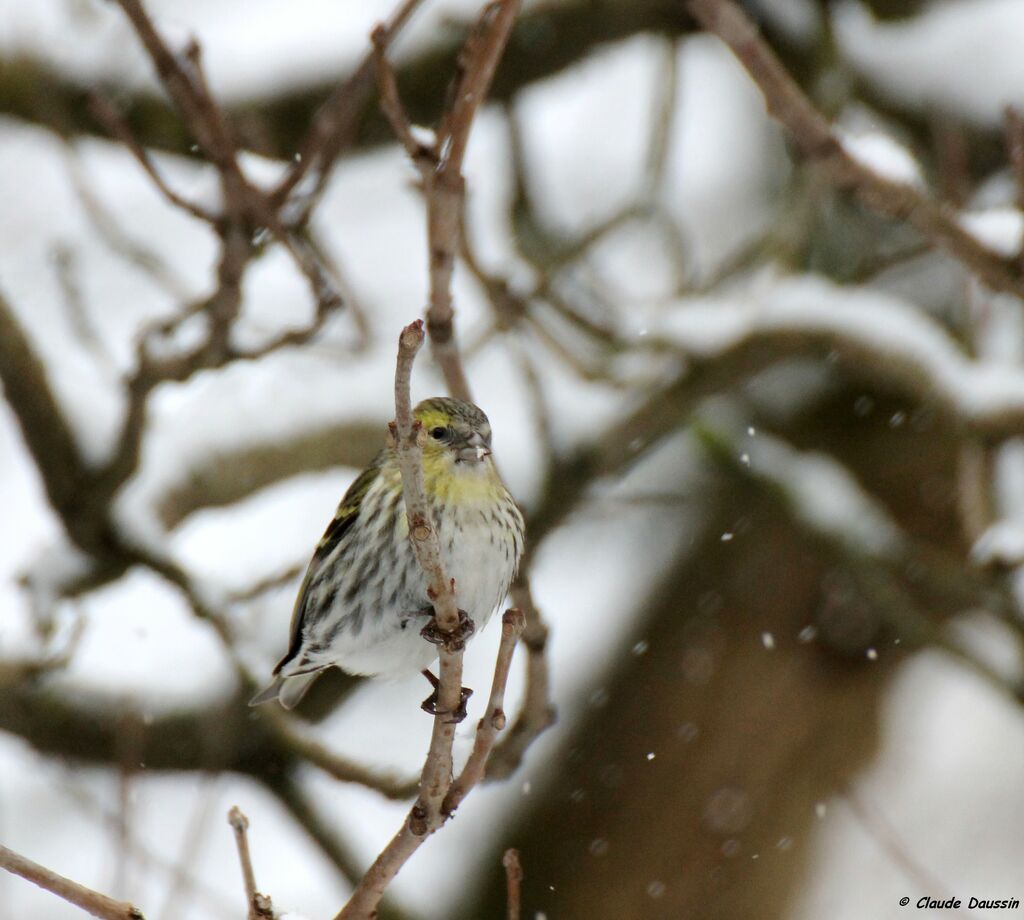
946	736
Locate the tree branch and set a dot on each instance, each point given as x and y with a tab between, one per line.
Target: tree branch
342	769
513	880
259	906
813	135
433	806
410	460
341	115
92	902
106	113
493	721
435	778
440	167
420	822
40	417
537	712
228	476
333	128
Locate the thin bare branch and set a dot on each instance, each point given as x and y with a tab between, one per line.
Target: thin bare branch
246	206
441	169
181	75
107	114
426	816
435	778
340	768
258	905
390	101
140	256
493	721
814	137
409	452
663	116
270	583
437	769
65	262
240	825
513	881
438	795
478	62
537	713
47	432
886	837
182	885
335	123
92	902
445	186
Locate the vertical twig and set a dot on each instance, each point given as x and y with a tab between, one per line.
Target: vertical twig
513	880
107	114
425	815
438	767
537	712
1015	154
259	906
129	753
440	166
421	822
445	187
410	461
493	721
432	807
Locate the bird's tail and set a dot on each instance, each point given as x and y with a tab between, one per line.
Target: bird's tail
286	690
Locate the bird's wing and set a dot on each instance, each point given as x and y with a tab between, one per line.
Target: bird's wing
344	518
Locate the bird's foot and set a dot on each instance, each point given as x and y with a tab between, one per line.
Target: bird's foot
430	703
454	641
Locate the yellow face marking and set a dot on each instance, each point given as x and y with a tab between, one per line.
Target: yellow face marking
458	483
433	418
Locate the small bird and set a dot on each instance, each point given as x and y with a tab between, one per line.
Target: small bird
364	599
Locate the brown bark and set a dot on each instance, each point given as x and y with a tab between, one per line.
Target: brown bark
749	726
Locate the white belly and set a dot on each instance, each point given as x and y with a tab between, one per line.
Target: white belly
480	557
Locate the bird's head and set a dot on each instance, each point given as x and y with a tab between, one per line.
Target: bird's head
455	432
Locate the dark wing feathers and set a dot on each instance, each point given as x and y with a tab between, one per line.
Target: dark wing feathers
341	523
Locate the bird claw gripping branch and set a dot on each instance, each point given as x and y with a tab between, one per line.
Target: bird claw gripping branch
454	641
430	703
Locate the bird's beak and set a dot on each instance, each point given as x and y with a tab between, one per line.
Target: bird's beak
474	450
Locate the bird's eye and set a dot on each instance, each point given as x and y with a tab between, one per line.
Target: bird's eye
438	432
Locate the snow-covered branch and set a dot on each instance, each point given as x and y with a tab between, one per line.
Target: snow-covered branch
819	143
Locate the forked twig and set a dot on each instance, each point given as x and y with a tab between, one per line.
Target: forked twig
440	166
438	795
815	139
